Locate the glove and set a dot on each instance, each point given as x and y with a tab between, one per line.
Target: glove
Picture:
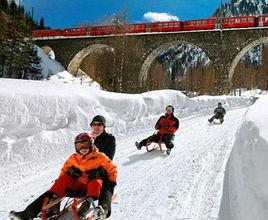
74	172
97	173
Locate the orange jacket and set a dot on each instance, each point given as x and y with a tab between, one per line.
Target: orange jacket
91	161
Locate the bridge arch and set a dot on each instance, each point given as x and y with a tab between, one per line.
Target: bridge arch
241	54
154	54
78	58
48	50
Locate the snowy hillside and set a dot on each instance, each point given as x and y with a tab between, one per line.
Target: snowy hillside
242	7
179	59
38	121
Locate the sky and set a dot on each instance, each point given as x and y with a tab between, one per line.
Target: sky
214	171
67	13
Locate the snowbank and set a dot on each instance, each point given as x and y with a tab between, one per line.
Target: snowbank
245	192
38	119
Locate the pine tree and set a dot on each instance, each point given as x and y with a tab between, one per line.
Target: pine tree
3	5
42	23
33	70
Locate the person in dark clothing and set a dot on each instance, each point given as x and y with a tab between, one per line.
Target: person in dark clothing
106	144
104	141
166	126
78	175
219	113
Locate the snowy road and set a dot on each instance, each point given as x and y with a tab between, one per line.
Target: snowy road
185	185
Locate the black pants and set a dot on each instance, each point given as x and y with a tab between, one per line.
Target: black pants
217	116
35	207
166	138
105	198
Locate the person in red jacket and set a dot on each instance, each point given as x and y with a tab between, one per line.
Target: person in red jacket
78	175
166	126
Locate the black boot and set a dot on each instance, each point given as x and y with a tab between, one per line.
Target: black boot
168	151
35	207
19	215
100	213
137	145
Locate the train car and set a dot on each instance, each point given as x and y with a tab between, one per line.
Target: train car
77	31
136	28
47	33
262	20
201	24
102	30
239	22
166	26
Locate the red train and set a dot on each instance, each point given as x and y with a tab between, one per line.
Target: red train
190	25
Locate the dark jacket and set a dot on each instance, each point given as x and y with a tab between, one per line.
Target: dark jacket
220	110
167	124
106	144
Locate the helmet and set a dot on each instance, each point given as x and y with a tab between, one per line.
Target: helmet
83	137
219	103
98	119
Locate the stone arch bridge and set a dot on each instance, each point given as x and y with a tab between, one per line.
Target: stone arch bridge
223	47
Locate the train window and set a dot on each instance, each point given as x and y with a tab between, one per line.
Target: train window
237	20
244	19
198	22
204	22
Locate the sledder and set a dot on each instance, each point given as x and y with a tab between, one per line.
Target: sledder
86	172
219	113
166	126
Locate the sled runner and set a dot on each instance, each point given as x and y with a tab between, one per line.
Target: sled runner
150	147
69	210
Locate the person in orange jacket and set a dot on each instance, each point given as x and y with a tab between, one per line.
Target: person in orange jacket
77	175
166	126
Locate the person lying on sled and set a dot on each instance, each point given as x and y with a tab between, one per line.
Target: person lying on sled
166	126
82	173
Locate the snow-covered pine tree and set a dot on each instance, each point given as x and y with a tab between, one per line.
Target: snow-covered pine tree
33	69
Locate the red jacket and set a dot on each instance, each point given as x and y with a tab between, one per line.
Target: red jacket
167	124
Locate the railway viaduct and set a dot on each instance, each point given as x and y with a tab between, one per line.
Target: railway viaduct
223	47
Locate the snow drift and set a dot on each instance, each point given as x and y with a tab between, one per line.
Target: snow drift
245	193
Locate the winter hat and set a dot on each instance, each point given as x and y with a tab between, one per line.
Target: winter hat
98	119
83	137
